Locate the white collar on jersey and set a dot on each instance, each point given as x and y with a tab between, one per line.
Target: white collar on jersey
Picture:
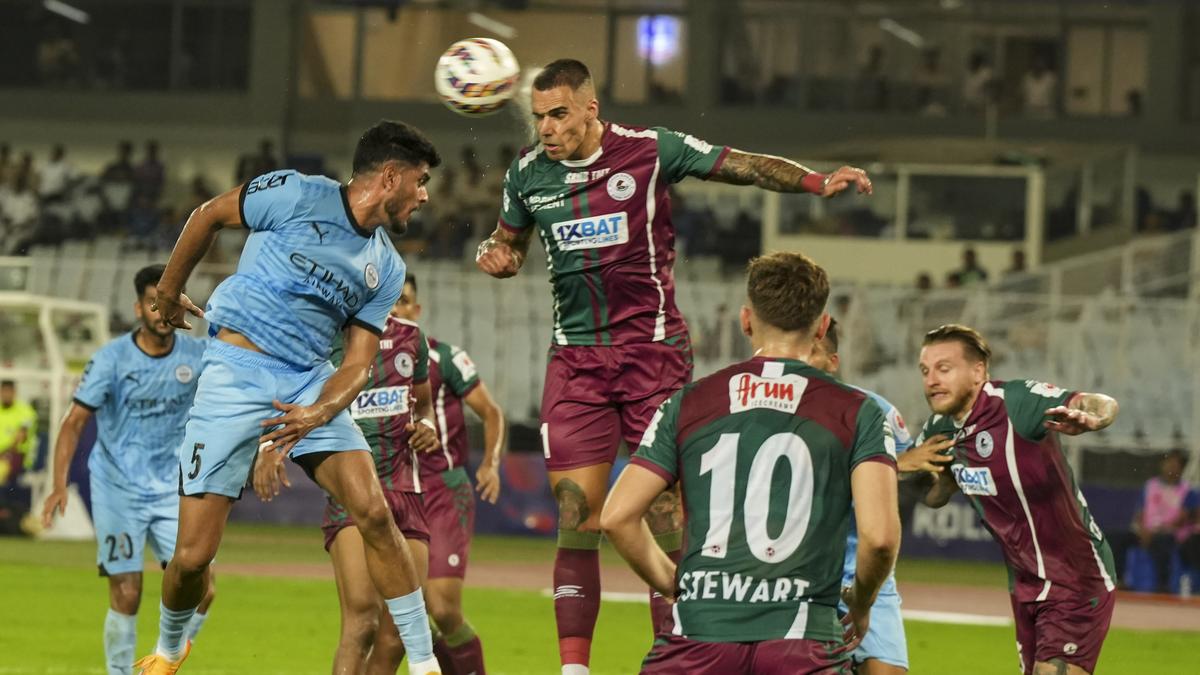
588	161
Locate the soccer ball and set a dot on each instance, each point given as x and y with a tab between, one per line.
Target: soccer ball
476	76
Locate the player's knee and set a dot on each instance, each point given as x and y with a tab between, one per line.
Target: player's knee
126	595
447	616
192	559
359	627
577	510
374	520
665	514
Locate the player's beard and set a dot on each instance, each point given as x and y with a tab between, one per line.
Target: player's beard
393	209
158	328
952	408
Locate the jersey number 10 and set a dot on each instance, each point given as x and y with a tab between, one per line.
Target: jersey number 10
721	462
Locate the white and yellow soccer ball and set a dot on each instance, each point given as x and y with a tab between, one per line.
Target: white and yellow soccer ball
476	76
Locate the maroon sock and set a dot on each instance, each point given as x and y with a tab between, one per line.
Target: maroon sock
662	622
467	658
576	602
445	656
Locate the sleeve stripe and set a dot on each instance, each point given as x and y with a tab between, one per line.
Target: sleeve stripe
720	160
511	228
242	205
82	404
653	468
355	321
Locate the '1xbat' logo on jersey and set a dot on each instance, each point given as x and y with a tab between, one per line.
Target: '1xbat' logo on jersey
602	231
974	480
748	391
381	402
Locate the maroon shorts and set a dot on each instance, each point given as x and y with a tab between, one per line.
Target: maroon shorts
407	511
595	396
450	512
673	655
1071	629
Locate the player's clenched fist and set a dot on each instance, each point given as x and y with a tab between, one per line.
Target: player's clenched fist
498	259
423	437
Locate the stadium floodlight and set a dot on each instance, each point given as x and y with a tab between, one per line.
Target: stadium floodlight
66	11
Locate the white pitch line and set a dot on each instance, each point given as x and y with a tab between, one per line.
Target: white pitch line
612	596
955	617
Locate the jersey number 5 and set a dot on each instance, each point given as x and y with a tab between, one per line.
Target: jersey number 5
195	461
721	462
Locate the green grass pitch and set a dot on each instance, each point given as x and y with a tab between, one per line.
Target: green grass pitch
53	604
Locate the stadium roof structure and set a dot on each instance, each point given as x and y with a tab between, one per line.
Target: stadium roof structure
967	151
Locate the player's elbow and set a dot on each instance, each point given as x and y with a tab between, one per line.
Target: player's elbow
880	540
614	520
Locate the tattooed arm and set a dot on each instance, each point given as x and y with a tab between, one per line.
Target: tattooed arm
502	254
783	175
1083	413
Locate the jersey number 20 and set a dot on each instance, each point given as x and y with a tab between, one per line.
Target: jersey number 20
721	462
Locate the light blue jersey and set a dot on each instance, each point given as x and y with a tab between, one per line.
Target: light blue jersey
141	403
307	270
885	639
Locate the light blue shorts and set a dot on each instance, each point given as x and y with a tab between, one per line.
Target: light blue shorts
234	395
885	638
123	522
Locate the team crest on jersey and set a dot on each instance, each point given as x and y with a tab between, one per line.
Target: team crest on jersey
974	480
381	402
372	276
404	365
984	444
748	391
610	229
621	186
183	373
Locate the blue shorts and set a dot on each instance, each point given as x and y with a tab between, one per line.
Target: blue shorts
234	395
124	521
885	639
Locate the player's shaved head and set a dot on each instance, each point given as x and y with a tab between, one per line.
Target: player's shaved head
975	348
787	290
389	141
565	73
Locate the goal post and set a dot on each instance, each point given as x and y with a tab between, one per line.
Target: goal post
45	343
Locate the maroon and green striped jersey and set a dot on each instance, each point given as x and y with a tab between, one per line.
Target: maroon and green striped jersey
452	377
1014	473
605	222
384	406
763	451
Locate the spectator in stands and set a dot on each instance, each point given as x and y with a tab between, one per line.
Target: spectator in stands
144	223
250	166
7	168
872	82
58	57
1017	266
930	82
1164	522
1039	89
1133	103
120	170
971	272
56	177
979	84
1184	216
924	282
18	443
150	175
19	211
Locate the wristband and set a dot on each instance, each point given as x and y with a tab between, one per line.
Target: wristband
814	182
427	422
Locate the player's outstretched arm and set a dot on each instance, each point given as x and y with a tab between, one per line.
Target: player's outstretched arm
64	451
423	432
622	522
876	510
197	237
362	345
1083	413
503	253
495	438
779	174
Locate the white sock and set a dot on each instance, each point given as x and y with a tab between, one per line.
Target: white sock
195	625
120	639
425	667
575	669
